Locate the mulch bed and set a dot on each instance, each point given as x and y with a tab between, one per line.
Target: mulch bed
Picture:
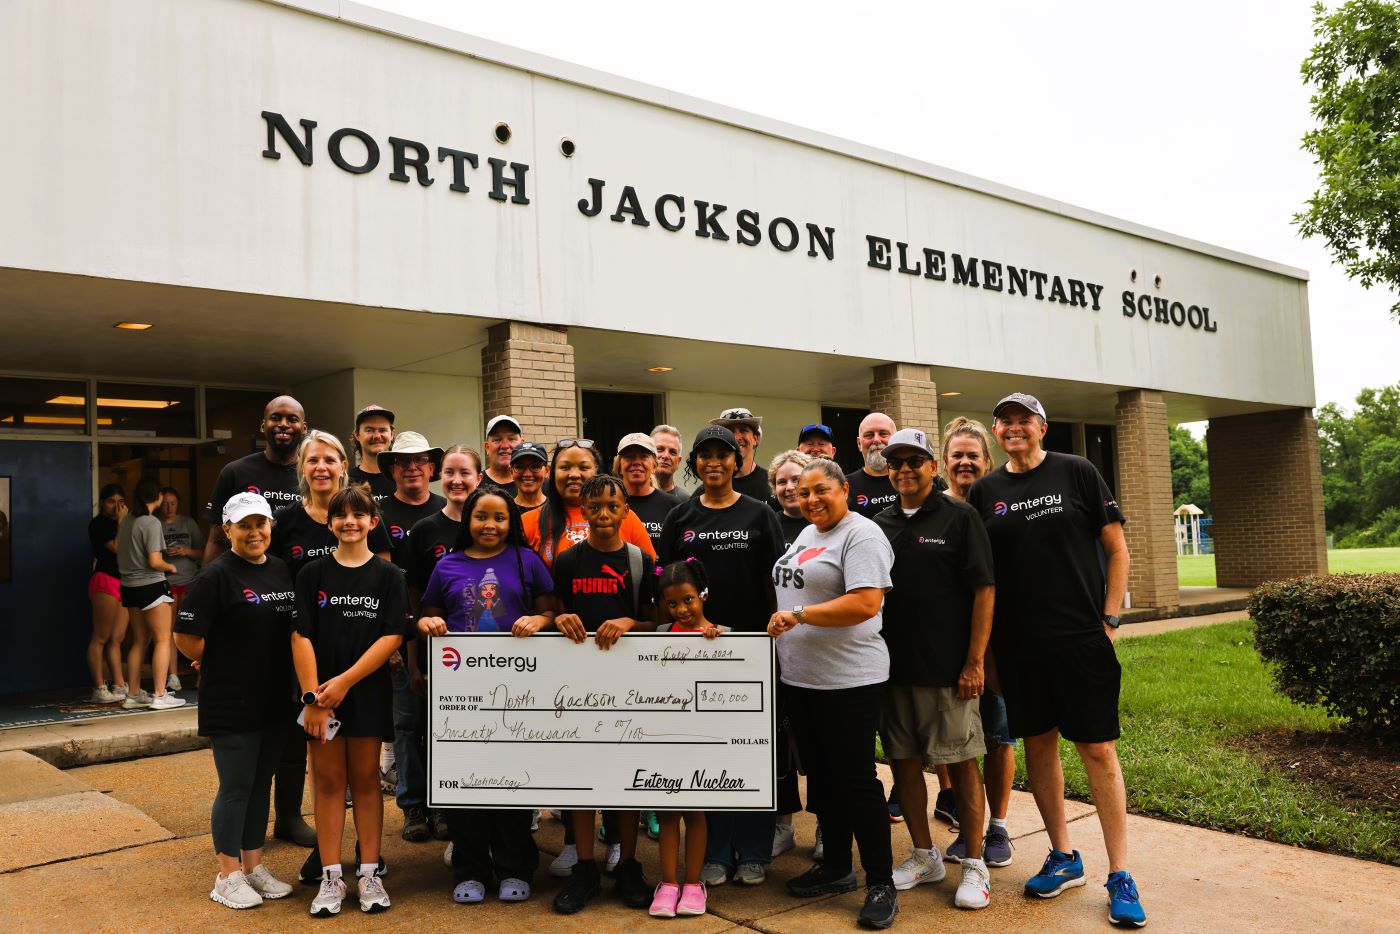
1351	767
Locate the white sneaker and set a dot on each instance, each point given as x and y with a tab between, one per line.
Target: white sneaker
167	702
975	890
447	855
172	683
919	866
100	695
535	820
141	699
120	690
234	891
266	884
565	862
326	904
818	849
614	856
783	839
372	894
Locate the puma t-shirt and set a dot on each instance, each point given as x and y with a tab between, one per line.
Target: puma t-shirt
598	585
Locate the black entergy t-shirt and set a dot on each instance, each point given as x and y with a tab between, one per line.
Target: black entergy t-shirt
399	518
1044	525
598	586
101	530
508	487
791	528
652	509
738	546
429	541
344	611
754	484
869	495
941	555
245	613
276	483
298	539
380	484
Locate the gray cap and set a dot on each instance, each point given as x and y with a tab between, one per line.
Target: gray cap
1024	400
912	438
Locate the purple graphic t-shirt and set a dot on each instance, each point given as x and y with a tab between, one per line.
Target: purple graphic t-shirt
487	594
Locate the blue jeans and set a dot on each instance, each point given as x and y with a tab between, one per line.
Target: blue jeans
747	833
412	790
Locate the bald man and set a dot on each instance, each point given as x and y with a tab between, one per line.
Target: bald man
871	490
271	472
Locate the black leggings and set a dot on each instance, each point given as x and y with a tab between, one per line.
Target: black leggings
489	844
245	763
835	732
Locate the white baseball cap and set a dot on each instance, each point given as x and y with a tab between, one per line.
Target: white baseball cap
242	505
502	419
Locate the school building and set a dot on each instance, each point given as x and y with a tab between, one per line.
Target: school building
207	202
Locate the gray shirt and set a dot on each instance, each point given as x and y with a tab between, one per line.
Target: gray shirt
182	532
136	539
821	566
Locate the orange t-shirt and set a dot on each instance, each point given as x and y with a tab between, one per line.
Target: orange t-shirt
576	530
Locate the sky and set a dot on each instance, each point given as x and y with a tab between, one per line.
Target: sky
1185	116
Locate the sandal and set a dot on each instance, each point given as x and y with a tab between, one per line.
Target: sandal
469	892
514	890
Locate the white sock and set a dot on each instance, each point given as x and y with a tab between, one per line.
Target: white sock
999	823
386	757
930	852
331	872
367	869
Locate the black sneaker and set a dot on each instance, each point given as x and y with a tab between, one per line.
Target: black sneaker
631	885
819	880
880	907
892	805
381	870
582	885
415	825
945	808
310	872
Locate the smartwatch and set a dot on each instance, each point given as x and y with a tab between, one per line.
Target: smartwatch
800	613
308	698
1112	622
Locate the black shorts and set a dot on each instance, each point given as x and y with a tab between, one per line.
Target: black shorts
145	596
1068	684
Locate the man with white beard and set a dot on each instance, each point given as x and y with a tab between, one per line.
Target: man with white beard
871	490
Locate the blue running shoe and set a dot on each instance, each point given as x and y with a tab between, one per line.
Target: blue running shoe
1123	904
1061	871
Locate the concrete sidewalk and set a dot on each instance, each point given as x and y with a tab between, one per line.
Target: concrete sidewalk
125	847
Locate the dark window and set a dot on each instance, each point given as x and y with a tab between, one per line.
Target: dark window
1098	448
57	406
845	425
1059	437
608	416
146	411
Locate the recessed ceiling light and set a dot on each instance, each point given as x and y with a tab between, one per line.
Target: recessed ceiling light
951	392
133	326
116	403
660	369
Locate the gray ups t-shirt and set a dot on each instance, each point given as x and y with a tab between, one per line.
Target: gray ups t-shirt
821	566
136	539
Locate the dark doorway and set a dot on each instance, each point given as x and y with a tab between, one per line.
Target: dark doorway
845	425
174	465
1098	448
1059	436
608	416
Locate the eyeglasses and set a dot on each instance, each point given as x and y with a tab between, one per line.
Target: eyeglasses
566	443
913	462
414	460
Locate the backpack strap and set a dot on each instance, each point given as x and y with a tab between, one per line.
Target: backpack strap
636	564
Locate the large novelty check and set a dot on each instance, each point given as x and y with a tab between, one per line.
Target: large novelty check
659	721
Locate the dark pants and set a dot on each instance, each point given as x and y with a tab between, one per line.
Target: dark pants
739	836
835	733
491	844
789	798
245	763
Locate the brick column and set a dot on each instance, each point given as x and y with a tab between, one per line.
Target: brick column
1266	495
905	393
1145	496
527	371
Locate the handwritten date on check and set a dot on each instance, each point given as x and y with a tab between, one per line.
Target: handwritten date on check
657	722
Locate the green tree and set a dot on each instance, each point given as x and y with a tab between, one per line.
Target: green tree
1354	72
1361	468
1190	469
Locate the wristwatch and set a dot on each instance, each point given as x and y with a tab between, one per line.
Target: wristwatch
800	613
1112	622
308	698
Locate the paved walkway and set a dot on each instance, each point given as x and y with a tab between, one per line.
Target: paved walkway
124	846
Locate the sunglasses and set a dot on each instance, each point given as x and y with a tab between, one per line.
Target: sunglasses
566	443
736	413
913	462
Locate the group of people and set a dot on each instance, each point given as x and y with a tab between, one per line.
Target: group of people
926	599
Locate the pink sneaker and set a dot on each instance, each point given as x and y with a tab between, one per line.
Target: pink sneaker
692	901
664	904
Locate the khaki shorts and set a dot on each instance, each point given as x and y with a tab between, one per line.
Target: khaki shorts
932	723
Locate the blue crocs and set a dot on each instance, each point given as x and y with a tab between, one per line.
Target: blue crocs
1123	904
1061	871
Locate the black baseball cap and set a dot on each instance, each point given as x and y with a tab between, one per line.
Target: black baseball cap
723	436
373	409
528	449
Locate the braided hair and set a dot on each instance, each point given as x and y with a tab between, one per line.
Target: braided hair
690	571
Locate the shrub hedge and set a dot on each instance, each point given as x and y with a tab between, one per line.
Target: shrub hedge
1335	641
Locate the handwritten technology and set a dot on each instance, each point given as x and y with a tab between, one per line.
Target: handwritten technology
659	721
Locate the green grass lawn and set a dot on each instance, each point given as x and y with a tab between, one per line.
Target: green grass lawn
1199	570
1187	697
